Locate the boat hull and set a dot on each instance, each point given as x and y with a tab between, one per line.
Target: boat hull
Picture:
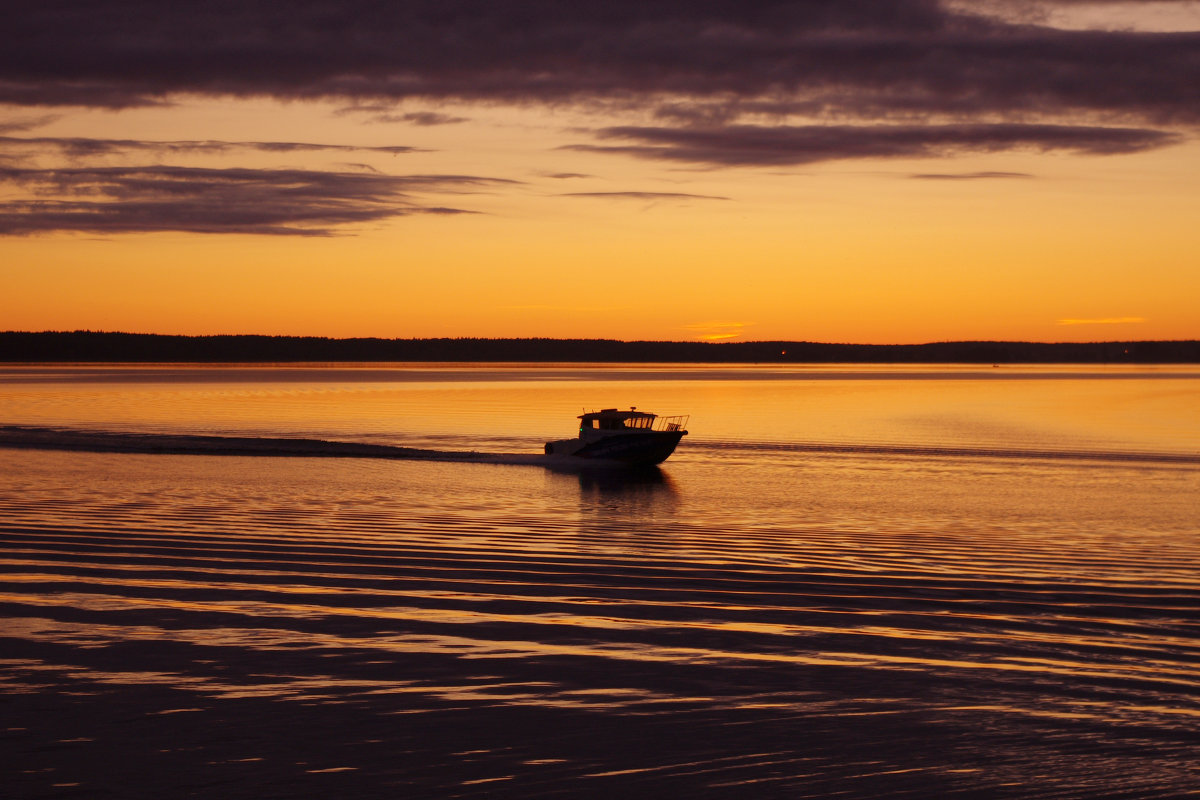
641	449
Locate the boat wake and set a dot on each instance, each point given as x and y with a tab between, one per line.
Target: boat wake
35	438
78	440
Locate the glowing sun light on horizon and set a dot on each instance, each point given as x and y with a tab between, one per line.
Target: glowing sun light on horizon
717	331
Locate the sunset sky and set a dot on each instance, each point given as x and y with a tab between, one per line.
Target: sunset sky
825	170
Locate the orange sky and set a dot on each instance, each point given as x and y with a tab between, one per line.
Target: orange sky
565	232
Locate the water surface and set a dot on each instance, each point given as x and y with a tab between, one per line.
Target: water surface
852	581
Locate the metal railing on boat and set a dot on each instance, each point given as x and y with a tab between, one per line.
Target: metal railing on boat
676	423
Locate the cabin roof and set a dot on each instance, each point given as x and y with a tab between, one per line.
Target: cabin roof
613	413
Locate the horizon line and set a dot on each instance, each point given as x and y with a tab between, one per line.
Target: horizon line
595	339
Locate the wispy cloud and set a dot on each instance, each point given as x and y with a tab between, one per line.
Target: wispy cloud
26	124
422	118
967	176
757	145
651	196
235	200
387	112
1102	321
81	147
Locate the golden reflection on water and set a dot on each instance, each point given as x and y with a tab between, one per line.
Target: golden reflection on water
447	406
797	566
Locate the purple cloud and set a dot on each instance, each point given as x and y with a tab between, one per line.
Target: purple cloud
753	145
82	147
728	79
850	56
258	201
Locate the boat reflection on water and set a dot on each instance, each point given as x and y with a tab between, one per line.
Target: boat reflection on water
609	499
620	507
641	481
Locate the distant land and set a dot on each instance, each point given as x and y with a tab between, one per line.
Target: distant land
93	346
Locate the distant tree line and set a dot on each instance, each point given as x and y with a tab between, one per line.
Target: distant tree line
93	346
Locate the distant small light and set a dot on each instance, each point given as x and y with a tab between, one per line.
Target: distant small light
783	353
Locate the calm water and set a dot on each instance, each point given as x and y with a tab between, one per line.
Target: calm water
852	581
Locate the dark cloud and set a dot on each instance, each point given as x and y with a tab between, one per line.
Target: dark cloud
257	201
643	196
753	145
852	55
729	80
967	176
78	147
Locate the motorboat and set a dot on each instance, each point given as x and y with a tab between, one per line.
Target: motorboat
634	438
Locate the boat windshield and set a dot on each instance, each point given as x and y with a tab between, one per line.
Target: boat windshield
612	420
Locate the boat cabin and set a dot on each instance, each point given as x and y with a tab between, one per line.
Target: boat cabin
610	419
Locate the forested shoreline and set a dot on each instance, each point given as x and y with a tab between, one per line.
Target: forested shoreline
94	346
